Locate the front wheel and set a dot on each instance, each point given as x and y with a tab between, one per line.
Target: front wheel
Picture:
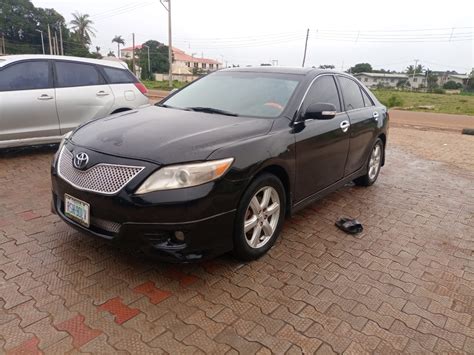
373	165
259	217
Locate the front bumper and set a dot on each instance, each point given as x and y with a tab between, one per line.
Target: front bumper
203	216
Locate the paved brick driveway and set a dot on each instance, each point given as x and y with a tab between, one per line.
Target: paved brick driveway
406	284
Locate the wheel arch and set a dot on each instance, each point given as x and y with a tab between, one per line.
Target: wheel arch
281	173
383	138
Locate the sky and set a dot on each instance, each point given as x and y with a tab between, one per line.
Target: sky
387	34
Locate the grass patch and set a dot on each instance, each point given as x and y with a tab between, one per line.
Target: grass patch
162	85
442	103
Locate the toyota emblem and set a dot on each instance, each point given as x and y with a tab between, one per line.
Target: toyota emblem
80	160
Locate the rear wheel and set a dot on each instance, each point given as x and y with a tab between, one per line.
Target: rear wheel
373	165
259	217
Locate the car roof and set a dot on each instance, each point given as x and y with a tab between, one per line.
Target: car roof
116	63
283	70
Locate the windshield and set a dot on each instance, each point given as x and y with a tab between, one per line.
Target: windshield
238	94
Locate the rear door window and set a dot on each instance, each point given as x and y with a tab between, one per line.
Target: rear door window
70	74
351	93
367	100
31	75
118	76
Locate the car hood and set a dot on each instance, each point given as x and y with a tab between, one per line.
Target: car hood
166	136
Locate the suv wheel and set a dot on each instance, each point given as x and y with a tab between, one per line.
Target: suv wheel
373	165
259	217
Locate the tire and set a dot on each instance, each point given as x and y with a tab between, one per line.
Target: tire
372	175
264	225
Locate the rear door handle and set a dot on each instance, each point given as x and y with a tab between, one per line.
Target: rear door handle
345	125
376	115
45	97
102	93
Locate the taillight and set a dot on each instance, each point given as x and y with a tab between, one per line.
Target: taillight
141	88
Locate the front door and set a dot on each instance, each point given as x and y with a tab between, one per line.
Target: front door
321	145
27	102
82	94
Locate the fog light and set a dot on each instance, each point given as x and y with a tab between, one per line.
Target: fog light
179	236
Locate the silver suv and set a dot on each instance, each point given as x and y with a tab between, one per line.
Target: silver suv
43	97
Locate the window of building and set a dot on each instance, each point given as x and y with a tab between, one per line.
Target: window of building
196	65
211	66
188	64
415	80
366	79
204	65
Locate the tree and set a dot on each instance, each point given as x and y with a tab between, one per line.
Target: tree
326	66
111	54
470	82
403	83
418	70
452	85
119	40
360	68
431	80
158	58
82	25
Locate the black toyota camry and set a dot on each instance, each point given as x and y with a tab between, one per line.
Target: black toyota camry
217	165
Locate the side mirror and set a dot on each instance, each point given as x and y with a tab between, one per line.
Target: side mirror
320	111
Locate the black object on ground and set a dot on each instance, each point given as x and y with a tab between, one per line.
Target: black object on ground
349	225
469	131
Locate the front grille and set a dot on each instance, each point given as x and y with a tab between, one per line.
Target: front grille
107	179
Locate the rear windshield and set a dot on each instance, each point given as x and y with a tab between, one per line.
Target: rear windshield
242	93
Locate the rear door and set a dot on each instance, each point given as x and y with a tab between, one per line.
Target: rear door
360	109
27	101
321	145
82	94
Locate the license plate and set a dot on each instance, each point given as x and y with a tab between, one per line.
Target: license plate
77	210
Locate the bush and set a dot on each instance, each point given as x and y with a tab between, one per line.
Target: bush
394	101
452	85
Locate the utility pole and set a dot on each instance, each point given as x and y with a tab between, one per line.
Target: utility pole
149	64
42	39
133	53
305	47
170	45
61	38
50	41
414	71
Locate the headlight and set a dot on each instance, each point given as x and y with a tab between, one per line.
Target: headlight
63	140
188	175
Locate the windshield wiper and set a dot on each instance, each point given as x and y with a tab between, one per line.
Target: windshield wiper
212	110
173	107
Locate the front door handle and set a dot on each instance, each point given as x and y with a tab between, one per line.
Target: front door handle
376	115
345	126
45	97
102	93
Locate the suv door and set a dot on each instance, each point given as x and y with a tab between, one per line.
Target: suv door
27	101
362	112
81	94
321	145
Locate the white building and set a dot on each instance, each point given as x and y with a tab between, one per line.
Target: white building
386	79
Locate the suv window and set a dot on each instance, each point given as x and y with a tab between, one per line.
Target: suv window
324	90
367	100
118	76
77	74
351	93
29	75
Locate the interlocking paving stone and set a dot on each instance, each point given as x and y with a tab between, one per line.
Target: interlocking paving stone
404	285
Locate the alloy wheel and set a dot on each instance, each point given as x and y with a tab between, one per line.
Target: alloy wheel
261	217
374	162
